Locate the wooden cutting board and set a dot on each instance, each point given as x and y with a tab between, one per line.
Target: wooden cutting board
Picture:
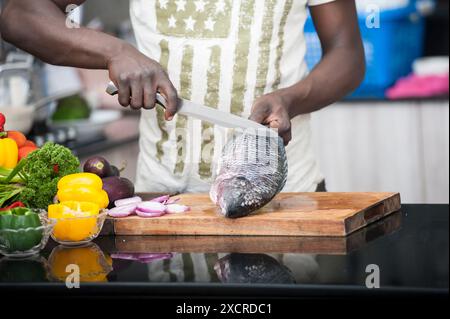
289	214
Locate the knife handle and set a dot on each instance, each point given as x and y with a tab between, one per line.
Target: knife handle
160	99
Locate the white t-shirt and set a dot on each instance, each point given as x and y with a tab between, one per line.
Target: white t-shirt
223	54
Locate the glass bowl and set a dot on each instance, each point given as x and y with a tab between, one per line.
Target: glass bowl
20	243
76	231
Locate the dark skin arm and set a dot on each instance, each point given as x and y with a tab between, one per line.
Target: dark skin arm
39	27
340	71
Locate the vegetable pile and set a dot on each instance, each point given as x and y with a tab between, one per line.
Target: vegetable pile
34	180
49	178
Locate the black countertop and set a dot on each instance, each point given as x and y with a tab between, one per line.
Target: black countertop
410	248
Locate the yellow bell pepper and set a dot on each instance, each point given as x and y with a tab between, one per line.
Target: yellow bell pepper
85	179
84	194
82	187
9	153
76	221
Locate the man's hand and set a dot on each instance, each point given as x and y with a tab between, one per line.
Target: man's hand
138	78
273	110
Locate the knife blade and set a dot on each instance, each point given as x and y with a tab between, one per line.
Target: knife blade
202	112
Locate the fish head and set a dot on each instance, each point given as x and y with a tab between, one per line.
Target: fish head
251	172
237	197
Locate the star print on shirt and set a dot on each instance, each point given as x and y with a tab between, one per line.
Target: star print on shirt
209	24
181	5
172	22
190	24
220	6
200	5
163	4
207	19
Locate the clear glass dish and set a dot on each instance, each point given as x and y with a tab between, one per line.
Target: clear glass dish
76	231
20	243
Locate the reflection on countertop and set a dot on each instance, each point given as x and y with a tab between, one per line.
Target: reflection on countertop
411	249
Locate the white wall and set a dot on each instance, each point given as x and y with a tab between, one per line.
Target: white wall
401	146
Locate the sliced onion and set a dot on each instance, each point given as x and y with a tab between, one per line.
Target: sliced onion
173	201
162	199
122	211
140	213
128	201
177	209
151	207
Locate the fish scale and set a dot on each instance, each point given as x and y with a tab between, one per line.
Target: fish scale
252	171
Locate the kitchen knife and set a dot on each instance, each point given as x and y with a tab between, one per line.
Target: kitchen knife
202	112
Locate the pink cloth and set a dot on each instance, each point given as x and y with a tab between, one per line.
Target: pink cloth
416	86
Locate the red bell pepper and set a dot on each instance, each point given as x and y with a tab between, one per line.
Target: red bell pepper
2	122
13	205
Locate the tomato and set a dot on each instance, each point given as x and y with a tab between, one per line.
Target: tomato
29	143
18	137
25	150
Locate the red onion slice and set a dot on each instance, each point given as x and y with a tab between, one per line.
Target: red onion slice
128	201
149	215
177	209
152	207
173	201
162	199
122	211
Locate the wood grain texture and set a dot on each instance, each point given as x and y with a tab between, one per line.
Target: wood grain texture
289	214
259	244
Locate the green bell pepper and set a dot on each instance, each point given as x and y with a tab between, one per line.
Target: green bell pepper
19	229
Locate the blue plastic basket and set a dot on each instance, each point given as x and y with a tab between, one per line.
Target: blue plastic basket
390	49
